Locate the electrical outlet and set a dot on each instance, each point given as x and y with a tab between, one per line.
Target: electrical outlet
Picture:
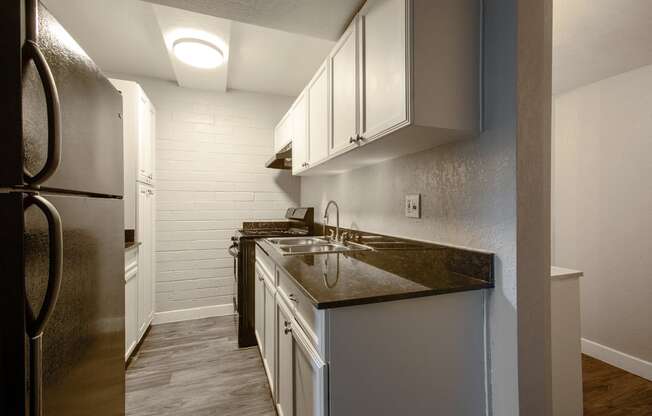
413	205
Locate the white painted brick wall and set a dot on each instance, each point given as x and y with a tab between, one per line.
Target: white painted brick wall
210	177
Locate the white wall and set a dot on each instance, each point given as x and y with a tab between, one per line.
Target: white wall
602	204
468	198
210	177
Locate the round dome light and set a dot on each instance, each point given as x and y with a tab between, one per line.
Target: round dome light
198	53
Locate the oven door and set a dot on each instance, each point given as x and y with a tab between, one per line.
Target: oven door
234	251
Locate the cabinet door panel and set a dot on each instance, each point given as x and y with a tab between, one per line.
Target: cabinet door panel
344	87
300	137
259	295
384	54
318	131
309	381
284	393
131	311
270	330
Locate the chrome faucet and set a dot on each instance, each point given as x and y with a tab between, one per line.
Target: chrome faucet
337	218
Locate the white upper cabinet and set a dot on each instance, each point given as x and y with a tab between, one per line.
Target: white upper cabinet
383	92
299	117
344	74
318	116
405	77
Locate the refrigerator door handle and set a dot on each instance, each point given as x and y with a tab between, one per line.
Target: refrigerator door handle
32	52
36	324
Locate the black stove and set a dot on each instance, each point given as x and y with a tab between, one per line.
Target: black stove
299	222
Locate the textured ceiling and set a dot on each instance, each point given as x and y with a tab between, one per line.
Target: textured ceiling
597	39
324	19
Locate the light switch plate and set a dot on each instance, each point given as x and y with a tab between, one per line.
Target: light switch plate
413	205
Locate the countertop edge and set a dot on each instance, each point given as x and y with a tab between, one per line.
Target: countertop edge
564	273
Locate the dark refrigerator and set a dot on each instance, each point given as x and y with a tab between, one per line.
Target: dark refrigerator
61	223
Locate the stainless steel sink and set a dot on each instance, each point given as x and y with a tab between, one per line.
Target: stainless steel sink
298	241
289	246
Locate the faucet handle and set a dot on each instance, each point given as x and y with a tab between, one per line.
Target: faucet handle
345	236
331	234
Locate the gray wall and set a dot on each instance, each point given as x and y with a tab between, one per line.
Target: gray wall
602	204
468	197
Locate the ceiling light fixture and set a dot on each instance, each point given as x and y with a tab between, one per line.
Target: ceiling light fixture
198	53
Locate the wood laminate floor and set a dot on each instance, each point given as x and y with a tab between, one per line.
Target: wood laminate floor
195	368
610	391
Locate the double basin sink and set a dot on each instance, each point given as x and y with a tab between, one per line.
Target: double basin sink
289	246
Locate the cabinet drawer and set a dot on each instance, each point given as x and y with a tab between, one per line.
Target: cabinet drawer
265	263
309	318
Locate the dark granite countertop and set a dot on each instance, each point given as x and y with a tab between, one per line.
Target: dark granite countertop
385	274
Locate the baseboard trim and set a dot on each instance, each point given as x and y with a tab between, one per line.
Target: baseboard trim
192	313
618	359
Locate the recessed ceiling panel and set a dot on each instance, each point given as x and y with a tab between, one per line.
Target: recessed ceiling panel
121	36
178	24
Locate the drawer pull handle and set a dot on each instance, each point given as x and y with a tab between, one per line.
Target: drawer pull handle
288	327
287	330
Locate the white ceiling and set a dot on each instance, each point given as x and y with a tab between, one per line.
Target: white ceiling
597	39
324	19
128	37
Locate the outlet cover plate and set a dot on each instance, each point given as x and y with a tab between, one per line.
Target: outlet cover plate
413	205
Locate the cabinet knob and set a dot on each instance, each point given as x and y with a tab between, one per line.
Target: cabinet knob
287	330
293	298
352	140
359	138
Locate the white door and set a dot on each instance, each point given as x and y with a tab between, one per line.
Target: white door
270	330
300	137
144	139
149	289
309	377
142	235
344	83
318	130
284	394
259	306
131	310
384	59
152	142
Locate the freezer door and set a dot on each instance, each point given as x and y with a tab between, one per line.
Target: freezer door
12	308
83	341
90	108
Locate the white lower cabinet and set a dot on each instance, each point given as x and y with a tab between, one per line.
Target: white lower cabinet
418	357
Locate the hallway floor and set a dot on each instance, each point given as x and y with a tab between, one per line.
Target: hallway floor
195	368
610	391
